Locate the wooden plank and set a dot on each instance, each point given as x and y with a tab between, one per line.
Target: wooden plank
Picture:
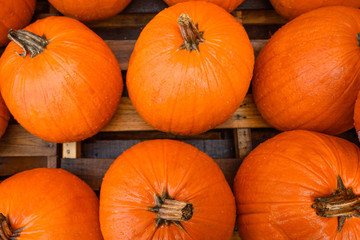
127	119
53	162
19	142
92	170
257	17
235	236
243	145
223	148
71	150
12	165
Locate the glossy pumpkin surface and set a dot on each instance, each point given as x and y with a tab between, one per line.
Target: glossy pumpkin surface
308	74
190	91
85	10
145	174
50	204
4	116
278	182
70	90
291	9
228	5
357	115
14	14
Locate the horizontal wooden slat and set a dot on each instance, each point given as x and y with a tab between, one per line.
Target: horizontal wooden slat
92	170
127	119
246	17
12	165
19	142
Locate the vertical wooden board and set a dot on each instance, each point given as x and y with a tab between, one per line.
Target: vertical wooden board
229	167
71	150
243	142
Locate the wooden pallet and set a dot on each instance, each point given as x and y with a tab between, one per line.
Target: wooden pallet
228	144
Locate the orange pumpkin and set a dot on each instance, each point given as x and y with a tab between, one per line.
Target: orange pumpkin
228	5
292	9
4	116
48	204
190	86
299	185
68	87
85	10
14	14
165	189
357	115
308	74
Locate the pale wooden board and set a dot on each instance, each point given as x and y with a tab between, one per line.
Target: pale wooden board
18	142
127	119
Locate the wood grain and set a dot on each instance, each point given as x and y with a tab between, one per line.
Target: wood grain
18	142
127	119
12	165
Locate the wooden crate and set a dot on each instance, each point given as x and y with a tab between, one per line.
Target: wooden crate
228	144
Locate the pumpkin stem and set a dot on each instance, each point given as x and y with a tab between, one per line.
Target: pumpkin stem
190	33
28	41
342	203
170	210
6	231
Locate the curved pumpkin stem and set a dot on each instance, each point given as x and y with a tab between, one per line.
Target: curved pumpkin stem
342	203
6	232
170	210
28	41
190	33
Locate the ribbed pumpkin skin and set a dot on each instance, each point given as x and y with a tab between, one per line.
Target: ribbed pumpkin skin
188	174
278	181
68	92
228	5
4	116
85	10
357	115
307	75
14	14
51	204
190	92
292	9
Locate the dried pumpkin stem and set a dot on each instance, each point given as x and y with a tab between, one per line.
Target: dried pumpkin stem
342	203
170	210
29	42
6	232
190	33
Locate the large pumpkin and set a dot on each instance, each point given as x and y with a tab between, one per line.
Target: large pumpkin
357	115
14	14
48	204
299	185
291	9
4	116
165	189
190	69
228	5
85	10
69	85
308	74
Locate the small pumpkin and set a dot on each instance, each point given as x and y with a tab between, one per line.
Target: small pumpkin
69	85
228	5
190	69
292	9
14	14
299	185
93	10
308	74
48	203
166	189
4	116
357	115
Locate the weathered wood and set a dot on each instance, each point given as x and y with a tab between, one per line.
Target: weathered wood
71	150
235	236
223	148
12	165
127	119
243	145
19	142
92	170
53	162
